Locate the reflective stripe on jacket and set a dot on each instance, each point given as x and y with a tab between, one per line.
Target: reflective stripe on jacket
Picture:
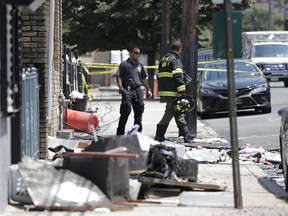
170	75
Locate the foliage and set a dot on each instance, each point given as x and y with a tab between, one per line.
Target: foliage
116	25
111	25
278	22
257	19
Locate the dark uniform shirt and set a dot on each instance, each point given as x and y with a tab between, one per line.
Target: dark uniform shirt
131	74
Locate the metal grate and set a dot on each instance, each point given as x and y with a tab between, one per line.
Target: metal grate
30	113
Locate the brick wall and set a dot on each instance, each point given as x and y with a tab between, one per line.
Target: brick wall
35	37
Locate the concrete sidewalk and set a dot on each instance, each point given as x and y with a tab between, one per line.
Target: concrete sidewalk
259	194
107	102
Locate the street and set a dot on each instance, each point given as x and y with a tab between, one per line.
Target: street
256	129
253	128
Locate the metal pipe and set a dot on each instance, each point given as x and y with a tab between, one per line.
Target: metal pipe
232	107
50	60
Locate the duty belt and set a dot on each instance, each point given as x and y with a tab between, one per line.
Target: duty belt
130	88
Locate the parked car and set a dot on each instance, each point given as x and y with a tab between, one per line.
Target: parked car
252	90
283	140
205	54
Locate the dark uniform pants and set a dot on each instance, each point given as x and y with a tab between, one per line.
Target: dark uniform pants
170	112
135	99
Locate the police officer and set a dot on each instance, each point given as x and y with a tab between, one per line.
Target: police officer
130	75
171	84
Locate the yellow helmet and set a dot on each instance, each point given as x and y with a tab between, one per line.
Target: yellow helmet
184	104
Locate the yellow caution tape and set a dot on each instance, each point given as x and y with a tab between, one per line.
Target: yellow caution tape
106	66
101	72
87	65
101	66
85	86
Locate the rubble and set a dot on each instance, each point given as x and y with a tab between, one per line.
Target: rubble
60	188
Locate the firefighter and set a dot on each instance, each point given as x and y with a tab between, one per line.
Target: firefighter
129	77
171	83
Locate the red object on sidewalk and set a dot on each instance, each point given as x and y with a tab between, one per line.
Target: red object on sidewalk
80	121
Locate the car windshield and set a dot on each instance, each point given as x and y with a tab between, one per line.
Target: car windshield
270	50
218	71
205	55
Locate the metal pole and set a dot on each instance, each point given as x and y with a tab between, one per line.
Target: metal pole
3	60
286	15
165	27
270	24
189	38
232	107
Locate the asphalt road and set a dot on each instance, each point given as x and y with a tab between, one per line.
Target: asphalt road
254	128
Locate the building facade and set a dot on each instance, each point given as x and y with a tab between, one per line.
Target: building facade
30	37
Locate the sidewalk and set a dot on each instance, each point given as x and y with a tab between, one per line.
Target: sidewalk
260	195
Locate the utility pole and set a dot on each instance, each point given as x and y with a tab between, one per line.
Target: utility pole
232	108
286	15
253	18
189	39
270	15
165	37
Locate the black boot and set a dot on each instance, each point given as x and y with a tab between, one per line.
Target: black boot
161	130
188	137
180	133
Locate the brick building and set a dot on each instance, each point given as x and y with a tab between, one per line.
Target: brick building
38	52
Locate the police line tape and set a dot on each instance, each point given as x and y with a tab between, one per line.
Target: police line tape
225	70
87	65
114	67
85	86
106	66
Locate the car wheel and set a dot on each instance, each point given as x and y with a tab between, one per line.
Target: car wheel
285	83
266	110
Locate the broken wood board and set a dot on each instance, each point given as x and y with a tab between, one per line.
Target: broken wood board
137	202
192	185
136	172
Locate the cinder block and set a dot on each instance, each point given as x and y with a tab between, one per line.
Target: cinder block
65	134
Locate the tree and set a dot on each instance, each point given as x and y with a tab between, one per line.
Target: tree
101	25
114	24
256	18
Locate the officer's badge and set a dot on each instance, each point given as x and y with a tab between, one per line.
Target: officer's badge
139	69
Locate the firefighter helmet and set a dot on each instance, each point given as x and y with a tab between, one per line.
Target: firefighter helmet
184	104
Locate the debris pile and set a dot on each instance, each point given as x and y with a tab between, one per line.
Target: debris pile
83	176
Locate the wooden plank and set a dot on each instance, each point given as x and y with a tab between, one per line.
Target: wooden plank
153	181
101	154
136	172
136	202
